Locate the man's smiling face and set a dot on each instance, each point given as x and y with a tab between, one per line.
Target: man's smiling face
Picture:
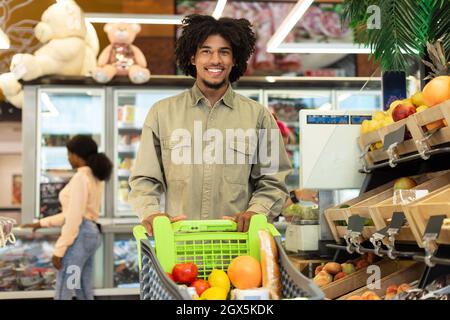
213	61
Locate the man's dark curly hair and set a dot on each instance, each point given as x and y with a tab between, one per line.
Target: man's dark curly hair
196	28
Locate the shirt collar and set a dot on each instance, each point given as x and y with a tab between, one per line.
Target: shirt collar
227	98
84	168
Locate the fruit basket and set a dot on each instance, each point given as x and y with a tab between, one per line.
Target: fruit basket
433	118
357	279
375	140
425	128
381	213
337	217
408	272
210	244
419	212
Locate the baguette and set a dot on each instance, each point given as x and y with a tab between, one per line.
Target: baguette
271	278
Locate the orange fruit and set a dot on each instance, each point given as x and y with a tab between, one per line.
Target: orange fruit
437	91
245	272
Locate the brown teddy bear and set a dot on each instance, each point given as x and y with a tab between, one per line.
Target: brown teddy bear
121	57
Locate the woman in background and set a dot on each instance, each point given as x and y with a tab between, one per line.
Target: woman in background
80	237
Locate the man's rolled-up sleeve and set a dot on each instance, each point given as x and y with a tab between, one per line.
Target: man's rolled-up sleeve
270	191
147	178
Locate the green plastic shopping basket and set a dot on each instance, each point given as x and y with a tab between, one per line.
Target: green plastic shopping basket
210	244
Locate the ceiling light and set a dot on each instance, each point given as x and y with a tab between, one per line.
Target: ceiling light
288	23
319	48
274	45
4	40
132	18
219	8
94	17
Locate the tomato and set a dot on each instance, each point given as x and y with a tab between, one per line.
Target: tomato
185	273
200	285
170	276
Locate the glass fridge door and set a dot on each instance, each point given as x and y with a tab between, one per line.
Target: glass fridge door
256	95
64	113
286	104
359	100
126	267
132	107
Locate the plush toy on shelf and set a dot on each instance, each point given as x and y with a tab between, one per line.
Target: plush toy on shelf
121	57
70	47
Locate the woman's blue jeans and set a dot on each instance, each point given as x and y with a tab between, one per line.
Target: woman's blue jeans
77	264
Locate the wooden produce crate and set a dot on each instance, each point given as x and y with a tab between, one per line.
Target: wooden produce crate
409	271
383	211
336	214
436	203
434	117
406	147
357	279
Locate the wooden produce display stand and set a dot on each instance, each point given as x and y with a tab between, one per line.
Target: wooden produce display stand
419	126
376	155
437	117
381	213
436	203
358	279
408	272
335	215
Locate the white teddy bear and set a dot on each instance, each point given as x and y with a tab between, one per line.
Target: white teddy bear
70	48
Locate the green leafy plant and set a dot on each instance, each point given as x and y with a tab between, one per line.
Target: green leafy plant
406	26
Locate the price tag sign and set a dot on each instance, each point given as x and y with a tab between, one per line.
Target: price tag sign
394	137
398	220
380	234
356	223
434	226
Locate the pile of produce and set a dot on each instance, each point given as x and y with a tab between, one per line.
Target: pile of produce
329	272
301	212
245	274
434	93
437	290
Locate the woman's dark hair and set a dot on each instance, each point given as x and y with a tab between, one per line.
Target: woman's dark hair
86	148
196	28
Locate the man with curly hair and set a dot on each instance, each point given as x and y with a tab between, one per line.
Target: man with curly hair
215	53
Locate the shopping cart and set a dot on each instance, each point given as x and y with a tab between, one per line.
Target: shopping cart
210	244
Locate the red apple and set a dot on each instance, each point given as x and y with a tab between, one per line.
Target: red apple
185	273
200	285
403	110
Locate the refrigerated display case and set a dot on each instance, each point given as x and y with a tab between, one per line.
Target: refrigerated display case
62	114
131	108
358	100
126	267
27	264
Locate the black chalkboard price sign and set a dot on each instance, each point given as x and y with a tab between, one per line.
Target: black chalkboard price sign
49	204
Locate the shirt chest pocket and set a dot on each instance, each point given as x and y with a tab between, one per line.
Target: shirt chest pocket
177	158
238	161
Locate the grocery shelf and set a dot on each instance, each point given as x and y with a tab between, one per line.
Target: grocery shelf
436	260
400	254
244	82
43	294
406	158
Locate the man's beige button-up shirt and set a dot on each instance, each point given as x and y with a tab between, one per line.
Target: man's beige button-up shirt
193	153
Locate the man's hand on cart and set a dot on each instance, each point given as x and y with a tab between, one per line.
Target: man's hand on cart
148	222
242	219
34	226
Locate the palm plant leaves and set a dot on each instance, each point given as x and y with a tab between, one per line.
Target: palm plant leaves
406	26
441	24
